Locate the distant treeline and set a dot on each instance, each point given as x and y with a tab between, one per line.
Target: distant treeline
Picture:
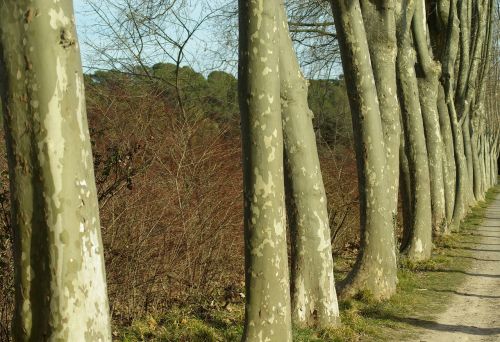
215	97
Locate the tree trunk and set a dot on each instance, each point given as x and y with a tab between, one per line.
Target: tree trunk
380	28
405	189
59	267
449	167
464	6
475	152
461	197
419	246
267	311
468	158
314	299
428	80
448	58
375	270
467	92
428	92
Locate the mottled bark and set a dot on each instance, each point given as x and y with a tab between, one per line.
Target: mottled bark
419	246
380	30
375	269
463	7
449	167
405	189
448	59
267	311
464	99
58	254
461	194
484	164
428	80
314	299
475	133
478	117
466	94
467	143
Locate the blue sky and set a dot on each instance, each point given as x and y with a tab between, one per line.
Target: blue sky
83	20
207	51
197	54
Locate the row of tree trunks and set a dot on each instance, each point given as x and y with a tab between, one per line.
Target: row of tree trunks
419	242
445	151
314	298
375	270
280	155
392	78
415	122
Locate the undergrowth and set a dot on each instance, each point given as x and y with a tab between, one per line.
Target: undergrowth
423	291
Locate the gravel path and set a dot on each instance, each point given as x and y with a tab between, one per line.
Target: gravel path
474	311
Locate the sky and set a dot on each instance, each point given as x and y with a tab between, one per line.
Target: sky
197	52
82	21
209	49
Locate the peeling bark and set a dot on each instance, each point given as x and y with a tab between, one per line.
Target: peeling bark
267	310
419	245
428	80
314	299
449	167
375	270
58	254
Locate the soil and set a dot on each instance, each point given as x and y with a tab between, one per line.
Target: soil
473	313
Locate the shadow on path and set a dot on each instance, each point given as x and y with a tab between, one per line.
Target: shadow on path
480	243
486	236
466	294
467	273
478	249
470	257
473	231
432	325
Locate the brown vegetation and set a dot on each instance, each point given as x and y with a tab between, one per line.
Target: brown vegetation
171	202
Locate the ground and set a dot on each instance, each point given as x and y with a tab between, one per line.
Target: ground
473	313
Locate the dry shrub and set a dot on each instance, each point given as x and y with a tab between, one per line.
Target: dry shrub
171	215
174	232
338	166
171	204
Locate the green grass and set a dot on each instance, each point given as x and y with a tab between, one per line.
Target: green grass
423	291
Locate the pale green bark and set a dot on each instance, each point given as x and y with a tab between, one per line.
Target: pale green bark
59	266
419	246
380	29
469	157
449	167
463	8
485	183
448	59
478	117
267	311
461	197
375	269
475	133
314	299
428	80
467	92
428	91
464	99
405	189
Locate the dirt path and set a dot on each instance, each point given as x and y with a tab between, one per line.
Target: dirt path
474	311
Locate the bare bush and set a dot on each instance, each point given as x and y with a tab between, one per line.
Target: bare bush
170	198
174	231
